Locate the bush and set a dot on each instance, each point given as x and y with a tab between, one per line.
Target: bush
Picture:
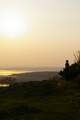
74	71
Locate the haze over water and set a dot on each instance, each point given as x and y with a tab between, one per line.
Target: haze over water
8	71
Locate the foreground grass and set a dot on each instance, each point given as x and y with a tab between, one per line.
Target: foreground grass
44	100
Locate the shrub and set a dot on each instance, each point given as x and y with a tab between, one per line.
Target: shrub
74	69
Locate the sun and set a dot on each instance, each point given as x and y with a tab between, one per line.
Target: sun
14	24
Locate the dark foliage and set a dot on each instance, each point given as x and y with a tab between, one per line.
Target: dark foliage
74	71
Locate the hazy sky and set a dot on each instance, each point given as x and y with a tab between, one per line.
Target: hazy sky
38	32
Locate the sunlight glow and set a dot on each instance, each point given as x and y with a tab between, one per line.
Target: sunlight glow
14	24
4	85
6	72
10	72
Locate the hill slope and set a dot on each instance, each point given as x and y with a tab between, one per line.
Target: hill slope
45	100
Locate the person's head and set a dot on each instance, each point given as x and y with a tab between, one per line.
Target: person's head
67	61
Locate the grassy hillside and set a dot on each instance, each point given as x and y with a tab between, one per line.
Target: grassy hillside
45	100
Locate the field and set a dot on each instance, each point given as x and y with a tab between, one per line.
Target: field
40	100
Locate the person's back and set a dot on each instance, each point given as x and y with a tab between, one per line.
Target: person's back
67	69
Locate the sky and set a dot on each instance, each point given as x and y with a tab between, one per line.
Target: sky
38	33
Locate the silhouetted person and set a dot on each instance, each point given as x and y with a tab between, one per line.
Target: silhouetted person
67	69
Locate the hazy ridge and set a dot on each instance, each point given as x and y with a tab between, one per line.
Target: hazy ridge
33	73
33	68
34	76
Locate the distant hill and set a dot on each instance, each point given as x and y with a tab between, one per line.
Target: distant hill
34	69
34	76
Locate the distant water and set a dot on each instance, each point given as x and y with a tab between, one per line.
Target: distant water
29	75
10	72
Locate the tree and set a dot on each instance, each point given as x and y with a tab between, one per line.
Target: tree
77	57
73	70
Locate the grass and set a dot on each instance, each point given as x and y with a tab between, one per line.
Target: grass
44	100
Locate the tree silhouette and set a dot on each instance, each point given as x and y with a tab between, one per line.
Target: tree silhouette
72	71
